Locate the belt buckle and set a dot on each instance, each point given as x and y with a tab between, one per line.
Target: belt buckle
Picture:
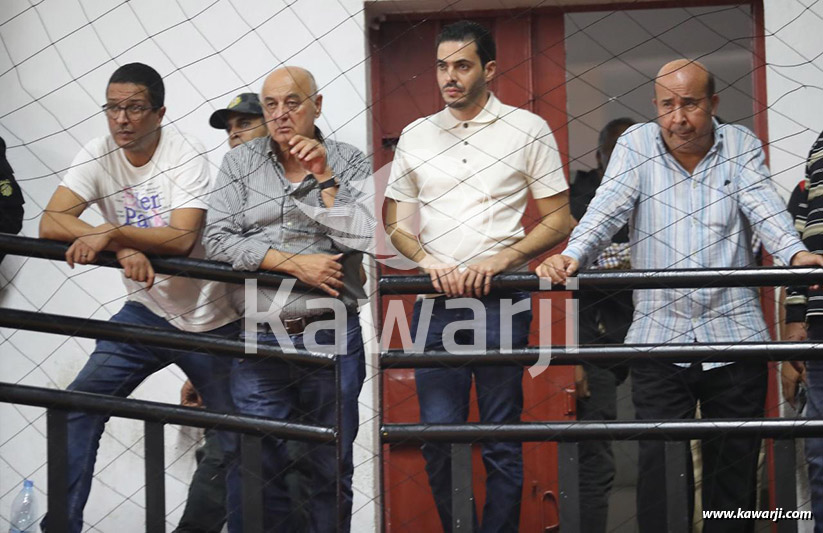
294	326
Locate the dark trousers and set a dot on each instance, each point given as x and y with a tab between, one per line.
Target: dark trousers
603	319
667	391
206	504
444	398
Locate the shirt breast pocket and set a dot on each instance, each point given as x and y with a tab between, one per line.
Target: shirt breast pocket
720	213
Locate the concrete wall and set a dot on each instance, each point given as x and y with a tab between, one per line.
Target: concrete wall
55	59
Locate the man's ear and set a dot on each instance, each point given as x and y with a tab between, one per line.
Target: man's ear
318	104
161	113
489	70
715	100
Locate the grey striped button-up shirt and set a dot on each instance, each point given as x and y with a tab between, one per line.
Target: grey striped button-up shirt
254	208
677	220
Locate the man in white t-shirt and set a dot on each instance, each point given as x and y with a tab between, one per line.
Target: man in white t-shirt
151	187
466	173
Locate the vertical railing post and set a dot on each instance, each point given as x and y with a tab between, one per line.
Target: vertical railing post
155	478
785	481
338	440
58	480
462	493
568	474
251	464
677	487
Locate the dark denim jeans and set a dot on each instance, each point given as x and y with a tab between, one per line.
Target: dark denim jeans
444	398
285	391
814	445
116	369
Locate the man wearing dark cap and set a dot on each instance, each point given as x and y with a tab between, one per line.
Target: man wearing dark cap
242	119
205	510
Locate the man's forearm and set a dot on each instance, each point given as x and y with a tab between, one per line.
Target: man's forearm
62	227
551	231
408	245
164	240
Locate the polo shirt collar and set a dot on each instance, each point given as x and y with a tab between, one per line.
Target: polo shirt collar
489	113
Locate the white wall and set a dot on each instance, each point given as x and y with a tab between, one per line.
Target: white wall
794	84
54	62
55	59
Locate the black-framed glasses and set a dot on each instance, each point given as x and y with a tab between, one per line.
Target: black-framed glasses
133	111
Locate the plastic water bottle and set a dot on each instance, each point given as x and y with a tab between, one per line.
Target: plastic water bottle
24	510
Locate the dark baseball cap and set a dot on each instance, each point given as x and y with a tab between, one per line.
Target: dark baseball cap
248	103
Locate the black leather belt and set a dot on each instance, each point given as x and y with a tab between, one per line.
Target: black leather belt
296	326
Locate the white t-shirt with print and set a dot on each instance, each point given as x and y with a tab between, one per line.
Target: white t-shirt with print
144	197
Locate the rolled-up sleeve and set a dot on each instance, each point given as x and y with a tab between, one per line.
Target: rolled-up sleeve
226	238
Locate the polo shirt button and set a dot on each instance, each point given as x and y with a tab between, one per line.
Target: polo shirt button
466	143
465	161
465	124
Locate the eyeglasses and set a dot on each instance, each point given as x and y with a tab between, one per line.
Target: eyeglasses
133	111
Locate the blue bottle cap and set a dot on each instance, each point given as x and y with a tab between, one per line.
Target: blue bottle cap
27	484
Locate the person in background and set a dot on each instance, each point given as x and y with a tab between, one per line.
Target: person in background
205	510
11	198
804	320
603	318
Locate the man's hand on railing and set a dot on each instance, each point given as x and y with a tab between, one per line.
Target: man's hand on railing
476	280
136	266
84	249
445	277
557	268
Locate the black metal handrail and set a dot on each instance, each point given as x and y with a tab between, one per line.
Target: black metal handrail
162	412
614	430
173	266
610	354
630	279
421	284
183	340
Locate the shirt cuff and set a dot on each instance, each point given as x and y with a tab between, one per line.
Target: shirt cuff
575	253
791	251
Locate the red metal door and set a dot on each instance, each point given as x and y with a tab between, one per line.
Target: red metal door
531	74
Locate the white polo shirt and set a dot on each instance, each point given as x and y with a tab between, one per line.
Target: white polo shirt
470	179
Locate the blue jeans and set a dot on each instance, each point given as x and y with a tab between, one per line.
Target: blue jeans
284	391
116	369
444	399
814	445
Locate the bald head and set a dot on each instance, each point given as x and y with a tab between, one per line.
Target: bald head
686	102
291	103
296	76
686	69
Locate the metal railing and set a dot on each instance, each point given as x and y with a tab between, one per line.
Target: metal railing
155	415
253	428
567	434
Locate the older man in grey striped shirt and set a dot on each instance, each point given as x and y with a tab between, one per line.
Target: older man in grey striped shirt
284	203
692	190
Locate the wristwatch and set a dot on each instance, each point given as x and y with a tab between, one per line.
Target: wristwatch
328	184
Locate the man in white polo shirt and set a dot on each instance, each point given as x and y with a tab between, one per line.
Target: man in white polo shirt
150	185
467	172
